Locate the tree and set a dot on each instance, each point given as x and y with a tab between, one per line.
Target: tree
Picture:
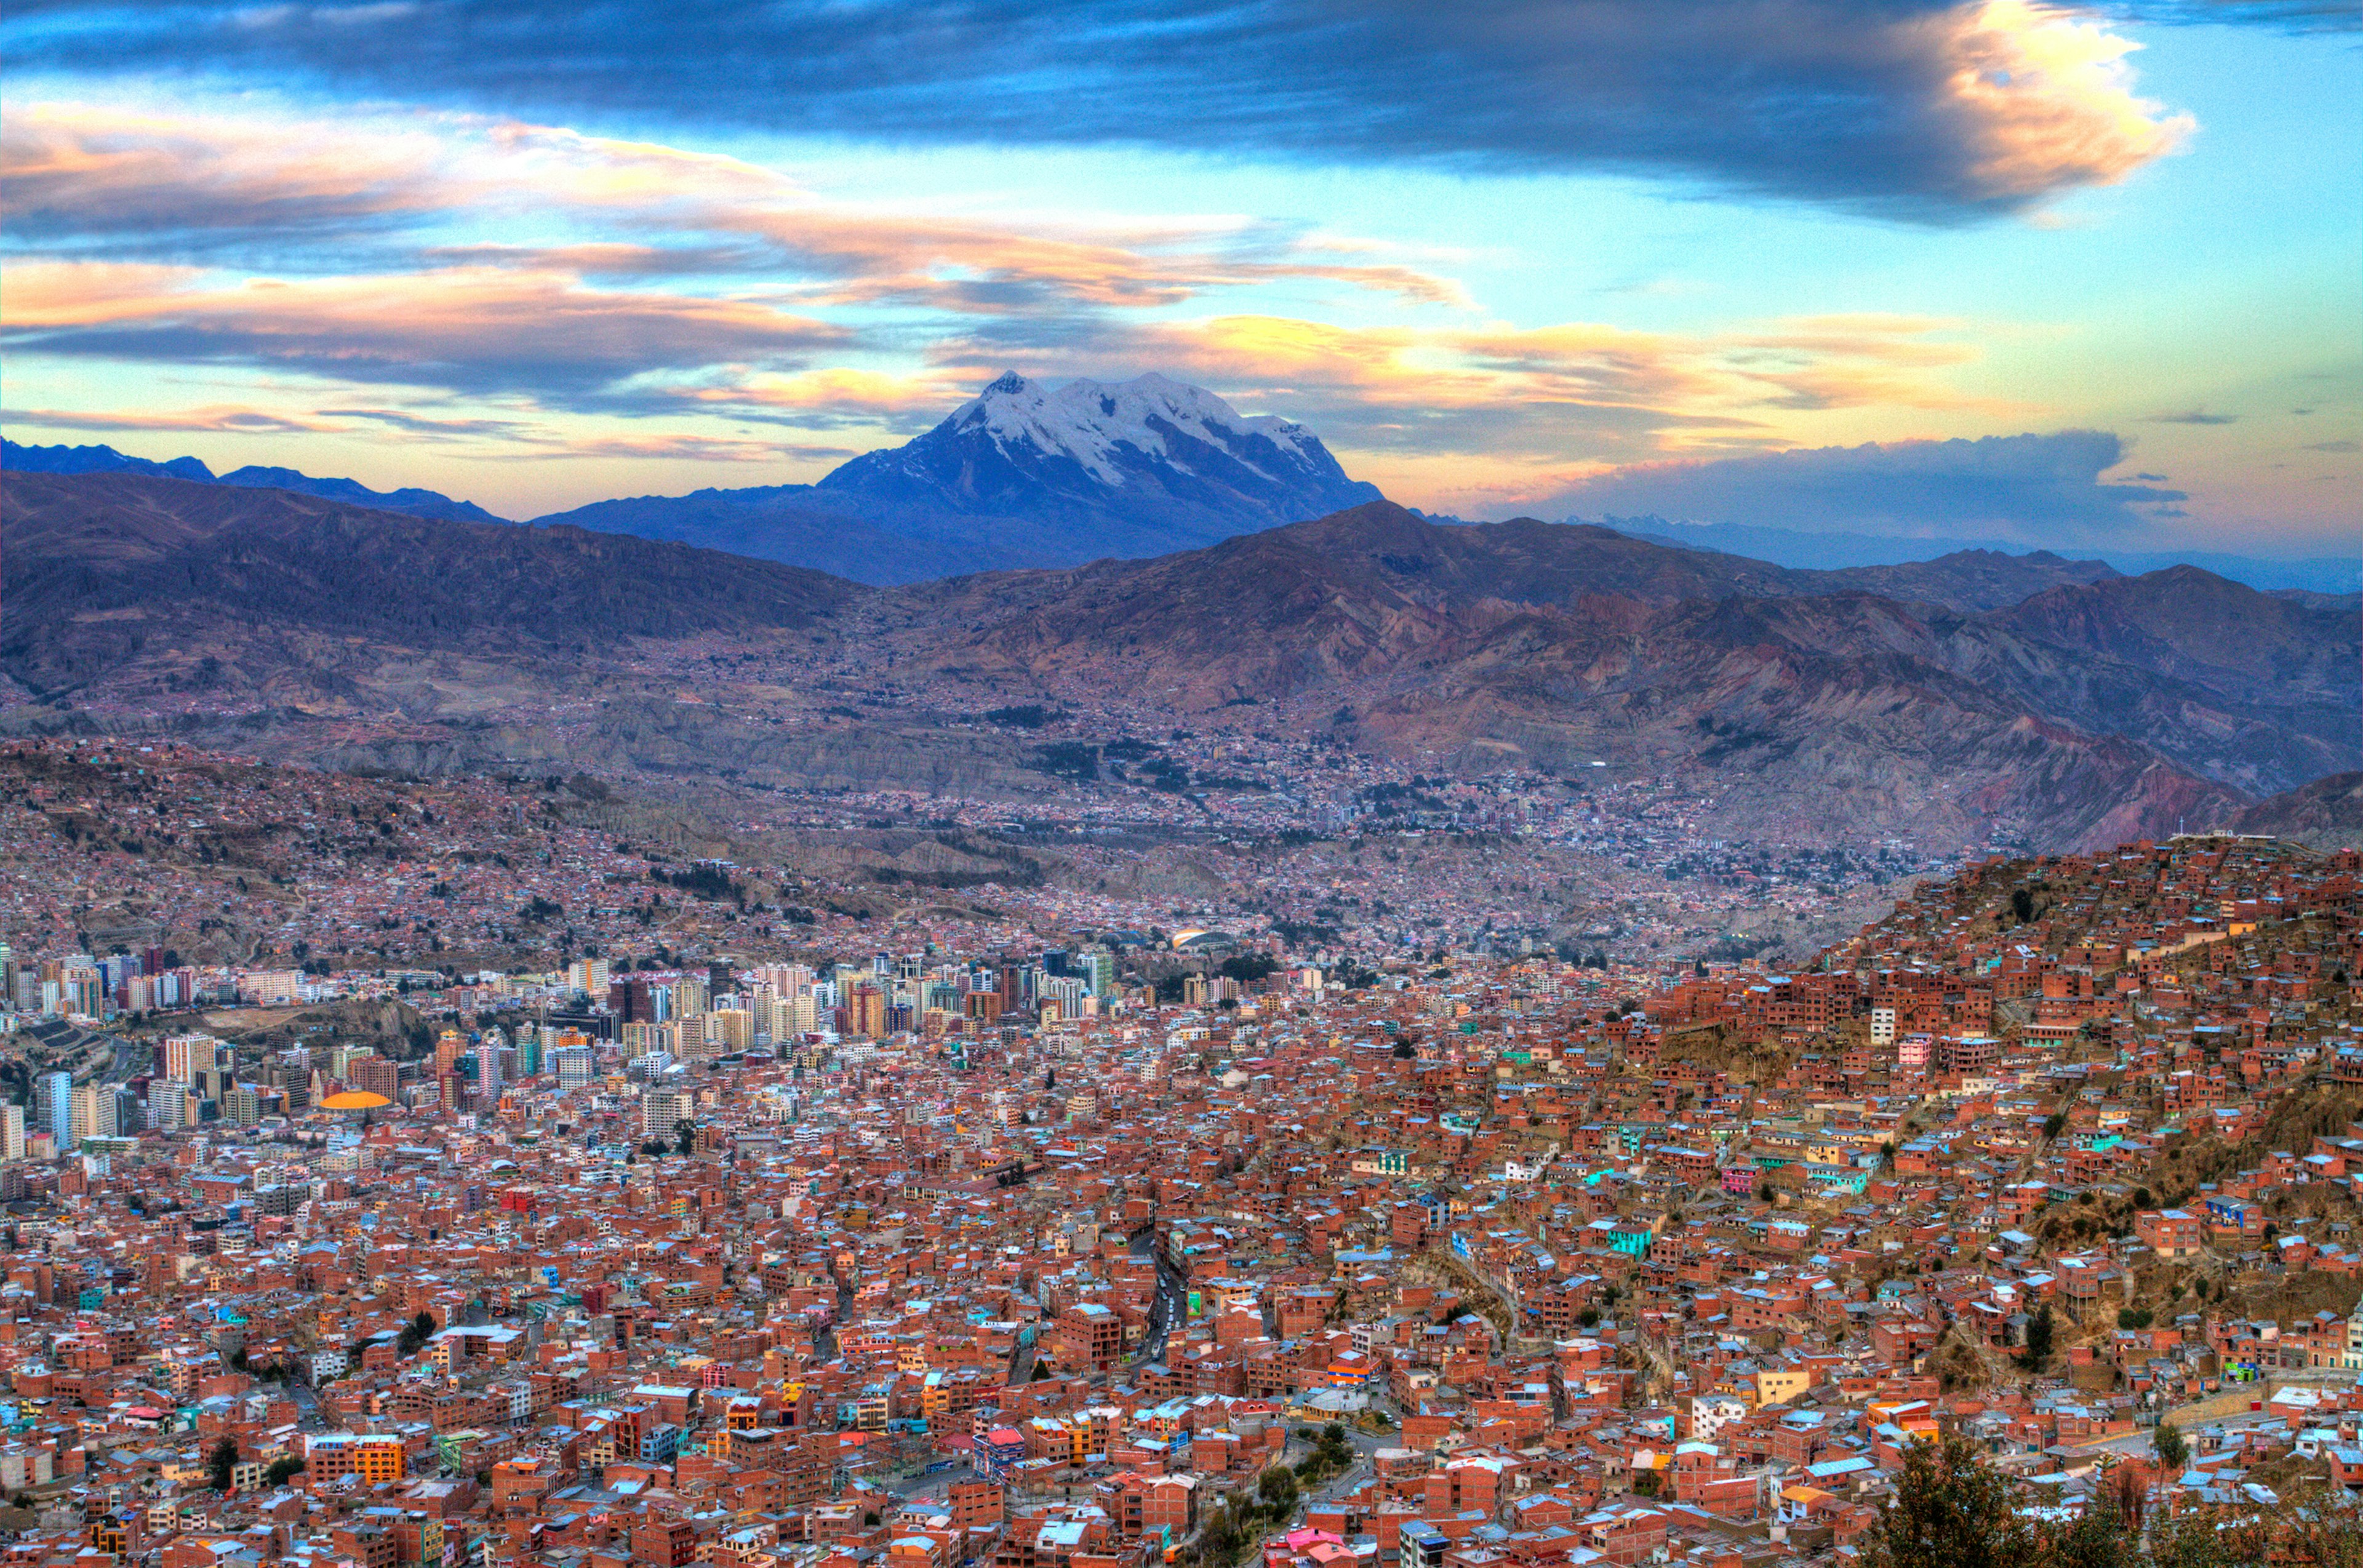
2172	1447
221	1459
2040	1333
282	1470
684	1136
2323	1528
2095	1539
1277	1487
1220	1542
1949	1510
415	1334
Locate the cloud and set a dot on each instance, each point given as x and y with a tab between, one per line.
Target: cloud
2035	487
372	195
435	429
1928	109
216	420
78	176
2192	416
467	330
1560	395
669	448
2292	16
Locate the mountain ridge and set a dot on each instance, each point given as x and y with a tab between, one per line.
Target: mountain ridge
411	501
1823	708
1022	475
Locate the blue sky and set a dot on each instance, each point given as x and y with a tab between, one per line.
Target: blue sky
2076	277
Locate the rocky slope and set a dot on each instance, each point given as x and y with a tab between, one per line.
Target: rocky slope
1569	645
283	625
2326	814
135	580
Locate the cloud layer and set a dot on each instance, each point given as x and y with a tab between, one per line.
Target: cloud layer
663	281
2040	488
1928	109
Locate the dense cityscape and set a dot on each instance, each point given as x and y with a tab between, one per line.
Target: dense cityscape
1241	784
645	1206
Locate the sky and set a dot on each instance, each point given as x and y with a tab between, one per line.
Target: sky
2072	276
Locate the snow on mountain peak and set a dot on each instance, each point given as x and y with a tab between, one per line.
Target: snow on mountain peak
1089	420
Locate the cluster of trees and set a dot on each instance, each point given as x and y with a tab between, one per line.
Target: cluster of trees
221	1465
1234	1526
1951	1509
415	1334
1331	1453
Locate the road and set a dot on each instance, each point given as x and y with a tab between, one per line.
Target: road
1165	1309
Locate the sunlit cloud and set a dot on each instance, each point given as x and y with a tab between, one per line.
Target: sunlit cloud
2044	103
477	330
1926	109
79	176
665	448
1552	395
75	175
222	420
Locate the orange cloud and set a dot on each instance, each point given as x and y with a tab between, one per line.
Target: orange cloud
76	173
2043	101
476	328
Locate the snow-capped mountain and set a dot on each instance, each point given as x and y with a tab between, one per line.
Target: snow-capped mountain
1021	476
1149	451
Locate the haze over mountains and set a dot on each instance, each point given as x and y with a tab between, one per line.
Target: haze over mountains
1020	475
1944	702
1026	475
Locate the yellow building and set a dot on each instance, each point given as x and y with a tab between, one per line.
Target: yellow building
1779	1386
372	1456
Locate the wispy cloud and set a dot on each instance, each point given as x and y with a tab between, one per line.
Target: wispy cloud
435	429
473	329
83	179
217	420
1569	393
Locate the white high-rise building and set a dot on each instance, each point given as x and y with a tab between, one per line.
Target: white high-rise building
663	1110
168	1105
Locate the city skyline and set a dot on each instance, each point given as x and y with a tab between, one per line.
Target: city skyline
2079	278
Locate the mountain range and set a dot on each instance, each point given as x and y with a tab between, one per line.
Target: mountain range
2053	700
1796	547
1020	475
106	460
1027	476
